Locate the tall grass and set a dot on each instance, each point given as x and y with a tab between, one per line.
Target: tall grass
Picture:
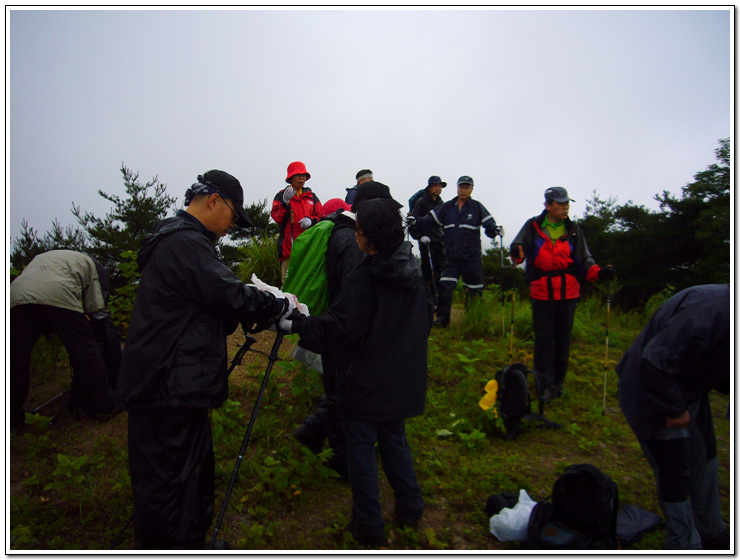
260	258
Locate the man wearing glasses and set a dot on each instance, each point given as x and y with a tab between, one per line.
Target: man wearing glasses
174	365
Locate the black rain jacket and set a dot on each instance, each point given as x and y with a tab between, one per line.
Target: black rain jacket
681	355
342	252
187	303
377	329
423	206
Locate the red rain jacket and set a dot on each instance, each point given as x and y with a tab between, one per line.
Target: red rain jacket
552	269
287	216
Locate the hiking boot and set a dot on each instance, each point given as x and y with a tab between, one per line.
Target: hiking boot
411	523
549	394
365	539
218	545
720	542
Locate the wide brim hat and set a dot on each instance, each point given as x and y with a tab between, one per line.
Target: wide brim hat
297	168
435	180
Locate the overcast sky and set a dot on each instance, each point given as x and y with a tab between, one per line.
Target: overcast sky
624	102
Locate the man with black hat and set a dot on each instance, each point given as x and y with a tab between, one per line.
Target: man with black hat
363	176
462	218
431	247
174	365
557	254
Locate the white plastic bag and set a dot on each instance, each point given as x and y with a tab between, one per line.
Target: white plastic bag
308	358
510	524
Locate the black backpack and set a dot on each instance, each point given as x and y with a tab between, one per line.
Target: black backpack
581	514
515	402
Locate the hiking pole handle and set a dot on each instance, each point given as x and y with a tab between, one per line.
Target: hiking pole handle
249	340
272	359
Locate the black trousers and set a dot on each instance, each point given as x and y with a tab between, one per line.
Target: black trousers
90	387
172	477
552	322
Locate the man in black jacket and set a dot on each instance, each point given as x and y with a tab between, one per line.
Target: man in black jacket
174	365
342	256
664	381
431	246
377	328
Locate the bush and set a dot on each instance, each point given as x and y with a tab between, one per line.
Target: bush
260	257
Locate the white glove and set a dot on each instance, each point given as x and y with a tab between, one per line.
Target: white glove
501	231
425	240
288	193
305	223
293	302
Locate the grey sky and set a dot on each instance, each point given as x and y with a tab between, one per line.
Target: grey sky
624	102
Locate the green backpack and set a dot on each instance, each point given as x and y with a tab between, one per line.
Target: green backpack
306	275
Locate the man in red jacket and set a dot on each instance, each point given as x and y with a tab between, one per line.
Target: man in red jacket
557	255
295	209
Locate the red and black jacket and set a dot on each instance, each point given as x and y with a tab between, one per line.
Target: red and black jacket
287	216
553	269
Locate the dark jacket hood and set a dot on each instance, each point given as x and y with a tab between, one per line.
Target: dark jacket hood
182	221
401	267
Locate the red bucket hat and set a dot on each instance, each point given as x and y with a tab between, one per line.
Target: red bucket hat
297	168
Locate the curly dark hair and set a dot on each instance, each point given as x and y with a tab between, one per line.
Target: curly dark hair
381	223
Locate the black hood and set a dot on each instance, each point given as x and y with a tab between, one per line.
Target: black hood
401	268
182	221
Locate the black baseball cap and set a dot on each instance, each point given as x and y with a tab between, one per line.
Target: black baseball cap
558	194
229	187
371	190
465	179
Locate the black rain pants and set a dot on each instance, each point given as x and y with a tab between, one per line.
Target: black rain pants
172	476
90	388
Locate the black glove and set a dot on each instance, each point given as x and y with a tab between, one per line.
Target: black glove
607	273
410	220
293	322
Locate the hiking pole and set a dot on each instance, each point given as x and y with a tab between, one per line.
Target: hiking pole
240	353
51	400
272	359
503	294
606	348
434	279
511	340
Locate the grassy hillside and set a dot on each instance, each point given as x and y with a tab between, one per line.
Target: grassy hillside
69	486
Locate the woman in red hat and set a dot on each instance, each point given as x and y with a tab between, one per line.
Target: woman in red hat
295	209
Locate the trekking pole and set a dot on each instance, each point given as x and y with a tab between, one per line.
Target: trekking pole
511	340
503	294
606	348
240	353
51	400
434	279
272	359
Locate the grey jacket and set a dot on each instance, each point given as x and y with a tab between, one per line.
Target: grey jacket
60	278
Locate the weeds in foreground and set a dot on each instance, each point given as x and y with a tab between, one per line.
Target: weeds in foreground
287	498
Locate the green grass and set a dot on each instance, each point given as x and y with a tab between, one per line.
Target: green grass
285	497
